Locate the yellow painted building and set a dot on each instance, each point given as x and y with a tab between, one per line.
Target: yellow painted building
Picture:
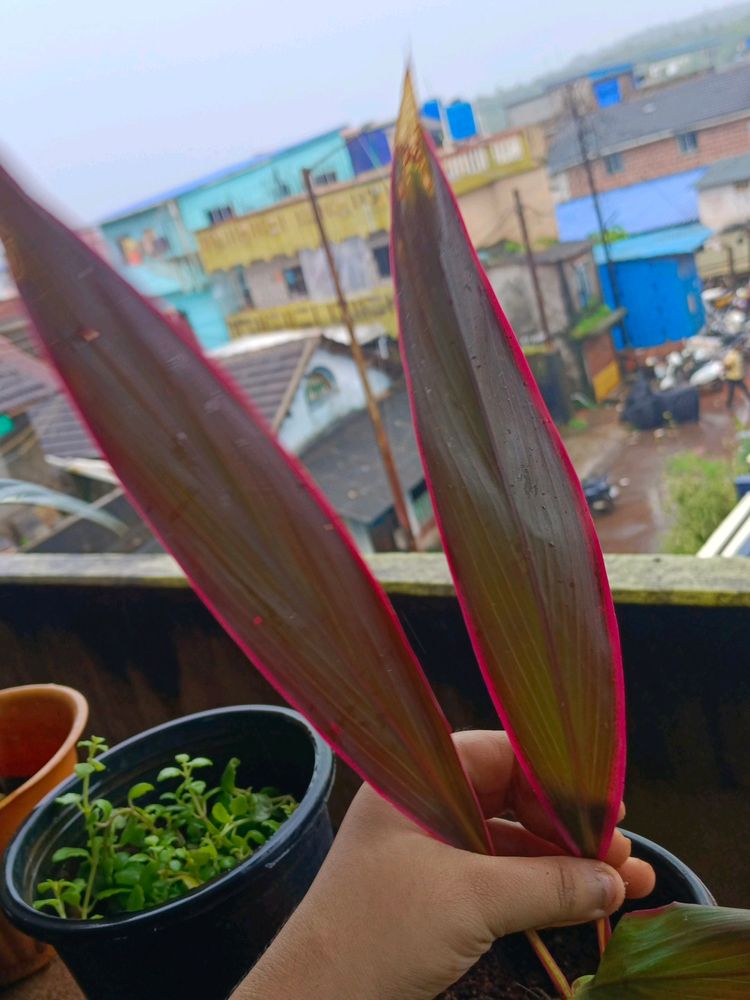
359	208
268	265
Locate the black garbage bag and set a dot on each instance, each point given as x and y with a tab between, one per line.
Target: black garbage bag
682	404
643	408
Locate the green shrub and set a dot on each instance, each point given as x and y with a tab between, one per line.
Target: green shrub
700	494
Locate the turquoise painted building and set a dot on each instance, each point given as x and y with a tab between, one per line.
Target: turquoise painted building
153	242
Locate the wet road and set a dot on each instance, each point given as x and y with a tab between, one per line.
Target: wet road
636	461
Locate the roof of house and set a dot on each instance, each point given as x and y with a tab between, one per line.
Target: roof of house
61	431
213	178
268	368
15	326
679	108
24	380
669	242
346	464
733	170
271	374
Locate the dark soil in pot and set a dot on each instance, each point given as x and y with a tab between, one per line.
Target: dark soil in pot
511	970
202	944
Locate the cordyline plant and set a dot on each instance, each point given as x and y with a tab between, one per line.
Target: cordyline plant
268	556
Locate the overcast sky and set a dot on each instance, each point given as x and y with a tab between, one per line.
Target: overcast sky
105	101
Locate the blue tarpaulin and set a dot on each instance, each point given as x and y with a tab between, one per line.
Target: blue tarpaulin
638	208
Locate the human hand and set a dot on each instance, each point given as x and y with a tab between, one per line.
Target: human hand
396	915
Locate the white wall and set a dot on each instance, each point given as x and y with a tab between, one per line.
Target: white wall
305	422
720	207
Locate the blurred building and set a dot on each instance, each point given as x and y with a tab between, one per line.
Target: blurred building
153	242
647	155
270	264
724	206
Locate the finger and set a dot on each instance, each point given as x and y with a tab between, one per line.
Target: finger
639	878
516	895
511	840
488	759
619	850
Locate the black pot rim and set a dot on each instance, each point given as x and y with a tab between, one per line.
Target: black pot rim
701	892
50	928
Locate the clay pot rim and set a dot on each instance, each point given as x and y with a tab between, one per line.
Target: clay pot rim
64	694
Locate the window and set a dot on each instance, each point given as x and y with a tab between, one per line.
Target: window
319	385
687	143
220	214
614	163
326	178
295	282
382	261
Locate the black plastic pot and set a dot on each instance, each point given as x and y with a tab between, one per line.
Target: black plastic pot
675	882
511	969
203	944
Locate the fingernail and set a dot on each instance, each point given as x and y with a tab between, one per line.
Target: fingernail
610	887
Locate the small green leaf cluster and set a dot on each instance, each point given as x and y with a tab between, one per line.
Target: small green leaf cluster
156	848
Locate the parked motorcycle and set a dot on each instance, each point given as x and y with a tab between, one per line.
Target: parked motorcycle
600	494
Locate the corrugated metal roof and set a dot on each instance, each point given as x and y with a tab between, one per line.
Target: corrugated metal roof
213	178
679	108
668	242
733	170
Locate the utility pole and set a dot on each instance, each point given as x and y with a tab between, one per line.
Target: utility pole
583	150
532	268
381	437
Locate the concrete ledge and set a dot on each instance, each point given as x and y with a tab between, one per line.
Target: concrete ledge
635	579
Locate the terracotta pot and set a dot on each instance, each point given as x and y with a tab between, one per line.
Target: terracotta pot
40	725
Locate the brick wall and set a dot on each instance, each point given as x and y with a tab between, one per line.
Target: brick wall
661	158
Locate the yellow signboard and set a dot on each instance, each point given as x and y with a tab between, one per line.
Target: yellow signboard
374	307
355	210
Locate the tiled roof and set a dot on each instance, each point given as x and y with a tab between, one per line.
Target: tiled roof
346	464
270	376
60	430
683	107
268	373
733	170
24	380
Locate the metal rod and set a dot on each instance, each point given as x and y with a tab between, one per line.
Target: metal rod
381	437
532	268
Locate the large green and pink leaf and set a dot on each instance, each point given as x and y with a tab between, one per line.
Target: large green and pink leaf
681	952
515	527
261	546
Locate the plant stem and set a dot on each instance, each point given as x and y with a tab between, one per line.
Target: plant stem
551	967
603	933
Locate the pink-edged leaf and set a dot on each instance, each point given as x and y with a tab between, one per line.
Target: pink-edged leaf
680	952
261	546
515	527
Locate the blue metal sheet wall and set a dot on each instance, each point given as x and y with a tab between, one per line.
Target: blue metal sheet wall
662	296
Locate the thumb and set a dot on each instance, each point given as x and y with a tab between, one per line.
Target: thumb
518	894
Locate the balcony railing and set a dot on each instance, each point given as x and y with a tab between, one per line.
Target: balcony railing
131	635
